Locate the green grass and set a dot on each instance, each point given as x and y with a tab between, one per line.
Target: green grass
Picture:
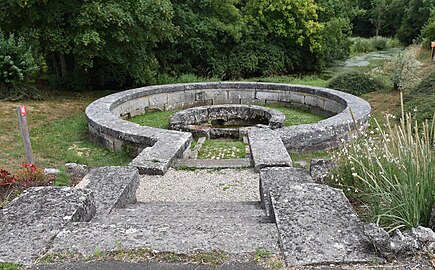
312	80
294	116
222	149
10	266
156	119
66	140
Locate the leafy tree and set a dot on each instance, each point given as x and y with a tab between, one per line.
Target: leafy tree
416	15
108	38
17	68
209	29
336	17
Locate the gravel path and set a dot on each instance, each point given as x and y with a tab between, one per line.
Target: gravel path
200	186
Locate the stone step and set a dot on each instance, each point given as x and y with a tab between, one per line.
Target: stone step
317	225
247	212
273	177
238	163
32	220
113	187
267	149
236	228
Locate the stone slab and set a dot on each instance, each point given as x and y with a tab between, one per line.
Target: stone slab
317	225
238	163
30	222
267	149
231	227
273	177
113	187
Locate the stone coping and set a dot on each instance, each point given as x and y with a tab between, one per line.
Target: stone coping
160	147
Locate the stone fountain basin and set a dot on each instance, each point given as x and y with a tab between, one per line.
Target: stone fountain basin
225	121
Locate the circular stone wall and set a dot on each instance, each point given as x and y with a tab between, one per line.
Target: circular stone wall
107	124
231	121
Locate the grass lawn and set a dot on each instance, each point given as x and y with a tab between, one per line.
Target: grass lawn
58	132
222	149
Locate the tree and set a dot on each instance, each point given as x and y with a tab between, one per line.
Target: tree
209	30
100	36
378	14
416	15
336	17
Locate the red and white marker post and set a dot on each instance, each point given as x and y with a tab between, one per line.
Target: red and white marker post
22	119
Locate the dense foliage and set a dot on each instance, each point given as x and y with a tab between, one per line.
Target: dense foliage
420	101
356	83
17	67
403	19
119	44
123	43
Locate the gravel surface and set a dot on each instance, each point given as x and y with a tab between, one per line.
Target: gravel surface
200	186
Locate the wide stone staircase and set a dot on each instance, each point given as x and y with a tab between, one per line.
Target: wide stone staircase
233	227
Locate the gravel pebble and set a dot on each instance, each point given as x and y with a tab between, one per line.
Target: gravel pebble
200	186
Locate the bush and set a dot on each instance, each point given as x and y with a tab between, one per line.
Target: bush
428	32
420	101
379	43
356	83
361	45
390	174
404	69
17	68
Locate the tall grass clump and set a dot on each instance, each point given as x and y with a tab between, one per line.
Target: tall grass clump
390	173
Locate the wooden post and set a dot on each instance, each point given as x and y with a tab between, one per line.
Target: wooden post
22	119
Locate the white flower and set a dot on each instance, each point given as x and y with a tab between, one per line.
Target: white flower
354	174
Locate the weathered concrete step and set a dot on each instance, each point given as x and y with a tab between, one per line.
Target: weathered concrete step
238	163
273	177
170	236
267	149
317	225
190	209
113	187
29	222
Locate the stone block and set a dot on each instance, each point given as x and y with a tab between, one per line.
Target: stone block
269	95
292	97
314	101
113	187
321	170
31	221
246	94
267	149
317	225
273	177
158	101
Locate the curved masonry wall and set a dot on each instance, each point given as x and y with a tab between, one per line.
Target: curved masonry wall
160	147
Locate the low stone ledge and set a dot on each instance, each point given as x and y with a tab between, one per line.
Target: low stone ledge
31	221
113	187
157	159
273	177
199	120
317	225
267	149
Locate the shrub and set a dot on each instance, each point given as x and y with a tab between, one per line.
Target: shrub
428	32
356	83
420	101
391	173
404	69
17	68
379	43
361	45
